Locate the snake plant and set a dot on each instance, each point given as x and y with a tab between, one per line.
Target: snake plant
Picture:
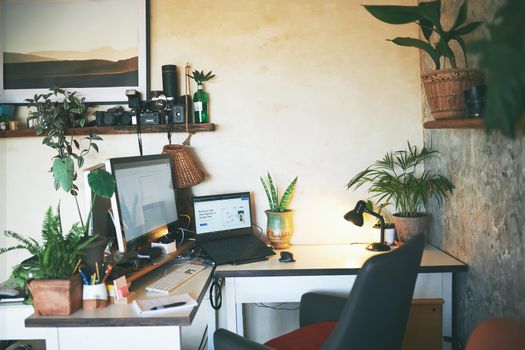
276	204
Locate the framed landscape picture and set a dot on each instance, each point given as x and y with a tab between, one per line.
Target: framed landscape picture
98	48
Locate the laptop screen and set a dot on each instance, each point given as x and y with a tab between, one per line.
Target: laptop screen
222	212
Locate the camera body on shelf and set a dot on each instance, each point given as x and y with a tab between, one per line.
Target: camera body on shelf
113	116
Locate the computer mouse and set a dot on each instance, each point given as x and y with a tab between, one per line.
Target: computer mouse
286	257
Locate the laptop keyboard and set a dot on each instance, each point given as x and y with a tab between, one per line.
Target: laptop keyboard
236	248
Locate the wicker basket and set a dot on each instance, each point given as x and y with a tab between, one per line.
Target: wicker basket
444	89
186	171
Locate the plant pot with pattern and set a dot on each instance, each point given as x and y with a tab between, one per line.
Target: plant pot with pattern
444	87
400	179
279	226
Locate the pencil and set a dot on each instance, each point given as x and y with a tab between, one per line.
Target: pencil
98	272
76	267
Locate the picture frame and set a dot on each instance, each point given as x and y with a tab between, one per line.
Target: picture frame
96	66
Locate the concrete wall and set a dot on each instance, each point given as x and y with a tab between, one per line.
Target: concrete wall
482	224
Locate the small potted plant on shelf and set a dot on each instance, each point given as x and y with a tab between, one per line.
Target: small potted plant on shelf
51	274
200	98
444	87
399	178
279	227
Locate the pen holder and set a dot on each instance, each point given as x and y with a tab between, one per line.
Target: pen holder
94	296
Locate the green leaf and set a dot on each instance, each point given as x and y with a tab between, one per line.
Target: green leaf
462	16
426	27
95	147
63	171
420	44
273	191
465	29
267	193
431	11
102	183
80	161
394	14
285	200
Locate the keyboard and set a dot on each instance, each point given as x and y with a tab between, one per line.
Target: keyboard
175	278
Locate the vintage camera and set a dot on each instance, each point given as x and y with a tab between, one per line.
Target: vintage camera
113	116
170	109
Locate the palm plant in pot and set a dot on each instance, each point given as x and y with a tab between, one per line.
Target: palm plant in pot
279	227
444	86
399	178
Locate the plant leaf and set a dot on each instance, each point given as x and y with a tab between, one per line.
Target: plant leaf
462	16
102	183
63	171
394	14
420	44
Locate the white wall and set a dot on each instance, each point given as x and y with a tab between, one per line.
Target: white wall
304	87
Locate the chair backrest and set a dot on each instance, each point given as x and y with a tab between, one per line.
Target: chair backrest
376	312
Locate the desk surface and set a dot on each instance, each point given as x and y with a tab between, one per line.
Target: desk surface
117	315
340	259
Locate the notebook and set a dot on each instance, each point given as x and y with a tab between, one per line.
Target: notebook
223	224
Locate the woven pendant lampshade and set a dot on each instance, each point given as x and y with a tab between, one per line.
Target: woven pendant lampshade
186	171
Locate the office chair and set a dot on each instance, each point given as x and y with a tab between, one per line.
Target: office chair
497	333
373	317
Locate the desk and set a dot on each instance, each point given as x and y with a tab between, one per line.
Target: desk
324	268
114	327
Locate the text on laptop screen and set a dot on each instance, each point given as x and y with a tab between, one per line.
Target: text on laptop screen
222	214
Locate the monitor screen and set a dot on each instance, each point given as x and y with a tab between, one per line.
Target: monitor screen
145	198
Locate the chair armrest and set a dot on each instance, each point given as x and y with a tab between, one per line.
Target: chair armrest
226	340
317	308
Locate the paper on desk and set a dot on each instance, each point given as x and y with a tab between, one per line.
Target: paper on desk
143	306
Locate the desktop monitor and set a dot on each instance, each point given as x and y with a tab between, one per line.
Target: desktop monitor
144	203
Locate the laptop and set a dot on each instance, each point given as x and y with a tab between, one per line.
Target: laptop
223	224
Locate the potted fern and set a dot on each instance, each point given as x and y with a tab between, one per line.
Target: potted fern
279	226
444	86
399	178
50	275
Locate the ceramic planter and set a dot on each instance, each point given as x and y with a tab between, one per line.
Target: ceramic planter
408	227
56	297
279	228
444	89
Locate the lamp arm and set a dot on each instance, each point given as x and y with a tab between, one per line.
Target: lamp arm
381	222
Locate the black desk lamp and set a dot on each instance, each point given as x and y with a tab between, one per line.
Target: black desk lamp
356	217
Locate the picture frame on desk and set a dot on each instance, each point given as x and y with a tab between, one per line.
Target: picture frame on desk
98	48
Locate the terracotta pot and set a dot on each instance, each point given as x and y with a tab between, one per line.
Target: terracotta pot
444	89
408	227
279	228
56	297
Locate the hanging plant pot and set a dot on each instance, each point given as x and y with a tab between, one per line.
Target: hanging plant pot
279	228
444	89
56	297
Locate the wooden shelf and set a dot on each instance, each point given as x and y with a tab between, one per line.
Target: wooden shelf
470	123
109	130
464	123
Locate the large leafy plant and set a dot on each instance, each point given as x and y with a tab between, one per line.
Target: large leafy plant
53	111
427	15
278	204
57	254
399	178
502	56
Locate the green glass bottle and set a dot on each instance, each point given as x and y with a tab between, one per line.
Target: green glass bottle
200	105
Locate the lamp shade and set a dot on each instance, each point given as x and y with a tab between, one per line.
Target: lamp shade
186	170
355	216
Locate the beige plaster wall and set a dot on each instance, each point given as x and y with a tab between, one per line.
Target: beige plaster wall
304	87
